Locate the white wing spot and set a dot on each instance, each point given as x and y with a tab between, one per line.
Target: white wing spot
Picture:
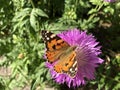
53	35
74	63
75	69
47	38
45	35
70	69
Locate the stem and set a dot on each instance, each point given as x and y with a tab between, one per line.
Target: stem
32	3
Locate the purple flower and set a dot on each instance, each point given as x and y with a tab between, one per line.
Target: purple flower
110	0
87	52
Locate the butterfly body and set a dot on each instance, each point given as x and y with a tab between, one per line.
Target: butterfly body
60	52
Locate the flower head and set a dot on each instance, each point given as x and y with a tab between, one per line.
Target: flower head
87	52
110	0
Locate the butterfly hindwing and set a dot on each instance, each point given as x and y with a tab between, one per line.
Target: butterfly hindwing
67	64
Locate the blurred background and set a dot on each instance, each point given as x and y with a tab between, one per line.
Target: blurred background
22	66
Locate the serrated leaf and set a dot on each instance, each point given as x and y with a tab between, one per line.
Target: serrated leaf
109	9
40	12
93	10
96	2
22	13
33	21
96	19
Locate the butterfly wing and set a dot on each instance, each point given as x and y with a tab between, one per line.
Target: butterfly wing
58	49
67	63
54	44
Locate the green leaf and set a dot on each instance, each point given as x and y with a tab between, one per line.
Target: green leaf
33	20
117	86
40	12
96	2
22	14
109	10
93	10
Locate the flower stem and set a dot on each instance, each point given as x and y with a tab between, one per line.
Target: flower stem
32	3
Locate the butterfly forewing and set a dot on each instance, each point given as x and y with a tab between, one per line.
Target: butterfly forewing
54	44
52	41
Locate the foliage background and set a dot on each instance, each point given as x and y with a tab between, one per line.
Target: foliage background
22	49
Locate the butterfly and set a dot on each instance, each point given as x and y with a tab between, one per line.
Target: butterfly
60	52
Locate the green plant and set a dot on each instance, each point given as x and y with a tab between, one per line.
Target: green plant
22	48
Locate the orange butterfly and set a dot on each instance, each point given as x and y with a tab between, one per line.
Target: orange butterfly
60	52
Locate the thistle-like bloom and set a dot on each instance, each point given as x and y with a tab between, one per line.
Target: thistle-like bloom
110	0
87	52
